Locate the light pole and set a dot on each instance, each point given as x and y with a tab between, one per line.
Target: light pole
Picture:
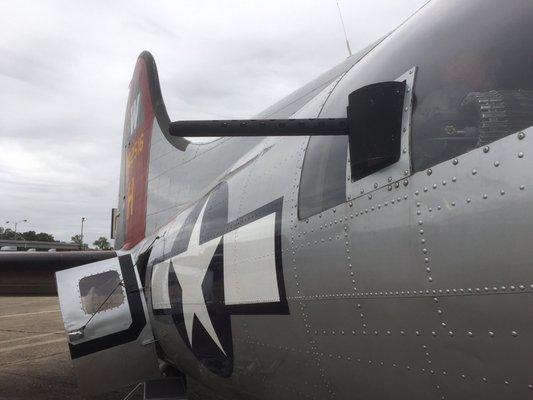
15	223
81	235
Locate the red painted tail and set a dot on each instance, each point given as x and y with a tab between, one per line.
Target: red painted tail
144	106
161	172
135	158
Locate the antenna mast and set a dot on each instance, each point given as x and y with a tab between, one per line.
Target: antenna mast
344	29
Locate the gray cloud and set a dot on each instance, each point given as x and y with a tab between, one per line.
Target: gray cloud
65	67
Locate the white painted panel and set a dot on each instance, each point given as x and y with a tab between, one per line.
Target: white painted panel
160	297
74	317
250	263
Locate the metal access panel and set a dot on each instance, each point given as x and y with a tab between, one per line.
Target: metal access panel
104	312
401	169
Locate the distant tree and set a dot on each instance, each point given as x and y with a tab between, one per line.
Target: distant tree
29	235
77	239
102	243
45	237
7	234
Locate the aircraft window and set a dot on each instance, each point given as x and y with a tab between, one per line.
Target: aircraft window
95	289
474	80
323	180
476	86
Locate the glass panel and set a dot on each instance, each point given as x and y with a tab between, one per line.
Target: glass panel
323	181
479	85
95	289
474	82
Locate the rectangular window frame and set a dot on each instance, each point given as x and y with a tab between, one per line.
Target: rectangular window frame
402	168
106	300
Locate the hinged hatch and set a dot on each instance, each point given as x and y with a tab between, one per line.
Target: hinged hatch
104	312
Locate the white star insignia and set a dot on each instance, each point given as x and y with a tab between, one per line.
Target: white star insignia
190	268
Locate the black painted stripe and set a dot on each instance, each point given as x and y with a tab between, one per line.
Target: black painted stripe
138	319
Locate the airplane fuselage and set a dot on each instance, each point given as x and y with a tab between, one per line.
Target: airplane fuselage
281	268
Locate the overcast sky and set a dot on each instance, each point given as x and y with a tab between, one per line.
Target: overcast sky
65	67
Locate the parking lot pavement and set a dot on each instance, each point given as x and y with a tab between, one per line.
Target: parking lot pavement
34	356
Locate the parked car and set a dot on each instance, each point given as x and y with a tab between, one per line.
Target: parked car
8	248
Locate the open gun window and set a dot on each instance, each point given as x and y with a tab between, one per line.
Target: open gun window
101	292
474	87
475	120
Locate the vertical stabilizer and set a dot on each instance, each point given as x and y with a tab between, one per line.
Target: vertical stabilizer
145	106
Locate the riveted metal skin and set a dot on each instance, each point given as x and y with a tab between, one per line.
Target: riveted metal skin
402	167
401	285
396	285
477	267
418	285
